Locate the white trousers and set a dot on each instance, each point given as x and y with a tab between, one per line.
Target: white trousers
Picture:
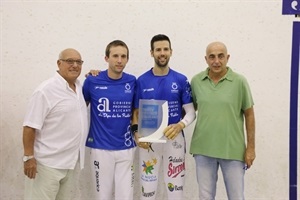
171	156
50	184
112	174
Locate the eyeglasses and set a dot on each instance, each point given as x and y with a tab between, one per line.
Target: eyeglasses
71	62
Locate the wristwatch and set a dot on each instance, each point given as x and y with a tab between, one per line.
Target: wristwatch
26	158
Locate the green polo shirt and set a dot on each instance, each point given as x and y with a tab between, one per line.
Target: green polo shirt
219	129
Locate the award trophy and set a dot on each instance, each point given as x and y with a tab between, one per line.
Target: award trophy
153	119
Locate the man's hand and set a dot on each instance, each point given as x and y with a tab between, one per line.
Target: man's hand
93	72
30	168
144	145
173	130
249	157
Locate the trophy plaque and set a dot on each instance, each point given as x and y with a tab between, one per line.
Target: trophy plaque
153	119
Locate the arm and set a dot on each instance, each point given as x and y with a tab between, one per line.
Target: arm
92	72
135	116
190	115
28	143
173	130
250	129
135	121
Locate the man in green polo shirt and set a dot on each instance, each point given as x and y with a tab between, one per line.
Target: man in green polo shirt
223	100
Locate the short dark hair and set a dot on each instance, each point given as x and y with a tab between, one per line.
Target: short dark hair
159	37
116	43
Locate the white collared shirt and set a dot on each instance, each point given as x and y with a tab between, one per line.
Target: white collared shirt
60	118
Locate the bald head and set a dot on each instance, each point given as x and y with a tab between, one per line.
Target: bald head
65	53
69	64
217	58
216	45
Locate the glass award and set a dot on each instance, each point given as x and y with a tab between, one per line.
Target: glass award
153	119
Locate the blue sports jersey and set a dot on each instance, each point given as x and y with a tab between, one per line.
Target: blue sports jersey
173	87
111	104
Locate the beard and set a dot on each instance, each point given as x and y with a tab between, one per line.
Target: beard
159	64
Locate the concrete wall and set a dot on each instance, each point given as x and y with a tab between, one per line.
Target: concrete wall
258	38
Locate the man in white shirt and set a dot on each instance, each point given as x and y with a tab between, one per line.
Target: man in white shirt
54	132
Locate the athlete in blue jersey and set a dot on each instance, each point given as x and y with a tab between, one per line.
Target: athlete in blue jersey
112	146
163	83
